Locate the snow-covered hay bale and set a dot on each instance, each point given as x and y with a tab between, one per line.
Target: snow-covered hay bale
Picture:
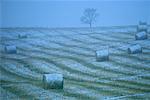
135	49
148	30
142	27
10	49
102	55
142	23
22	35
141	35
53	81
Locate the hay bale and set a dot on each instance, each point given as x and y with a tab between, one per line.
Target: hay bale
135	49
102	55
142	23
148	30
142	27
53	81
10	49
141	35
22	36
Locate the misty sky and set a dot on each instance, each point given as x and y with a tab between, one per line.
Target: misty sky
65	13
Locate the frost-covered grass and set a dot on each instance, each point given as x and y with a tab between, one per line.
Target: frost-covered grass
72	53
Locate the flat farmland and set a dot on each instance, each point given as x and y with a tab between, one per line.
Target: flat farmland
71	52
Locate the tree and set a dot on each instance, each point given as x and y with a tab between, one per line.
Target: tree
89	16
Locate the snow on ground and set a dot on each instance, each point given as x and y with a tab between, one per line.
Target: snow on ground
72	53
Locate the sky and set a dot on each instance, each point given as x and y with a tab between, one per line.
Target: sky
67	13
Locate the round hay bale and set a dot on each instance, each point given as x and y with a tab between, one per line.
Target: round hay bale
141	35
53	81
102	55
148	30
10	49
22	36
135	49
142	23
141	28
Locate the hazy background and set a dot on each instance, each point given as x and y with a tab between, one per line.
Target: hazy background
65	13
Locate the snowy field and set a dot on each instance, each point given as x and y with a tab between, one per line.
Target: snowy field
71	51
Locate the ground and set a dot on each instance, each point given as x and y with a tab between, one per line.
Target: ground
71	51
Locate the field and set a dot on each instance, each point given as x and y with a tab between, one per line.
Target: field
71	51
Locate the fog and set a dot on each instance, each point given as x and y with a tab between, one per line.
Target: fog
48	13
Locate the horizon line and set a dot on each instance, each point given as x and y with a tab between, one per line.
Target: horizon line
70	27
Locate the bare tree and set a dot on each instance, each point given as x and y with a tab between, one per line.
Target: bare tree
89	16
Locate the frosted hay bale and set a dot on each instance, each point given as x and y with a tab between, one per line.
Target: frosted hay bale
102	55
142	26
142	23
22	36
53	81
141	35
10	49
135	49
148	30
